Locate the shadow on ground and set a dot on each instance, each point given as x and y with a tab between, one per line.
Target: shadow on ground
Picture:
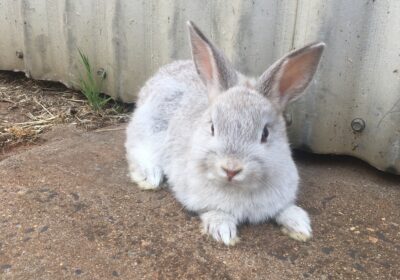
69	211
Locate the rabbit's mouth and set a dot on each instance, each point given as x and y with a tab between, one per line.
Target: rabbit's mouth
230	168
226	171
229	172
231	176
245	179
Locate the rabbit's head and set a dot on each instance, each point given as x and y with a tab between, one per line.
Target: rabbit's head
241	138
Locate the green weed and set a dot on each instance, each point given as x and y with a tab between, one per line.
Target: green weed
90	87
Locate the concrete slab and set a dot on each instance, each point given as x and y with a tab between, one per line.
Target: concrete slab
68	210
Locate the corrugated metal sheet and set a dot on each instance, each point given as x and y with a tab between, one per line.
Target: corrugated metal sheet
358	78
130	39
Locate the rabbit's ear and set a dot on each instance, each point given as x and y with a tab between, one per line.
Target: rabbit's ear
212	66
286	79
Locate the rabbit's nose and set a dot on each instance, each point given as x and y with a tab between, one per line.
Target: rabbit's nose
231	173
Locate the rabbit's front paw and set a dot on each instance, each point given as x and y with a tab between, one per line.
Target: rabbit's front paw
221	226
295	223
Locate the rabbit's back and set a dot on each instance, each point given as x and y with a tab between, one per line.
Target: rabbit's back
169	83
161	97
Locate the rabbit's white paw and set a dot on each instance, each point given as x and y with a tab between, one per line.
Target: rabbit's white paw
221	226
151	181
295	223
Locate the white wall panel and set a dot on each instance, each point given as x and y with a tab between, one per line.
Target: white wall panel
359	76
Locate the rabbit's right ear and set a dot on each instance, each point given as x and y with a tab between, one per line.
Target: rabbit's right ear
287	78
211	64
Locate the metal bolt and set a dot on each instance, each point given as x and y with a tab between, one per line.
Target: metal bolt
19	54
102	73
288	118
358	125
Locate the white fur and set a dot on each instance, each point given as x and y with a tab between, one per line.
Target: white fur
221	226
173	150
295	223
170	134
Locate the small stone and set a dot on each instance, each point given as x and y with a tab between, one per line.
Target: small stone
21	192
5	266
383	219
353	253
115	274
145	243
359	267
132	253
75	196
78	272
327	250
352	228
357	232
29	230
43	229
370	229
381	236
372	239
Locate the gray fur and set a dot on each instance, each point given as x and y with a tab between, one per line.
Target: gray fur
170	134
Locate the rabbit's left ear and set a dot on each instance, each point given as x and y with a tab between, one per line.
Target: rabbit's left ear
286	79
211	64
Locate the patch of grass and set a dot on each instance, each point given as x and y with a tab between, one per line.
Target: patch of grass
90	87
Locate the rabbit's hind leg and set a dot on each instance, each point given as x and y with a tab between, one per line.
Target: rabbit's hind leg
144	168
146	136
143	151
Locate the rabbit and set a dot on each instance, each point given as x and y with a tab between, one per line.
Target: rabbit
219	139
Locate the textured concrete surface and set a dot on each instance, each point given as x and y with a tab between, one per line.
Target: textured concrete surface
68	211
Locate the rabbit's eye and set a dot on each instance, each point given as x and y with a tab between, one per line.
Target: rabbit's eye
264	134
212	129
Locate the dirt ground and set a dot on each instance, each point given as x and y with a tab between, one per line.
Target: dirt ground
29	108
69	211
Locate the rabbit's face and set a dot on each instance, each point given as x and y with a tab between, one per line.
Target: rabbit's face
240	137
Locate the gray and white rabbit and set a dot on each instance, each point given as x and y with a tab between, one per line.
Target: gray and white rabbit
219	138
